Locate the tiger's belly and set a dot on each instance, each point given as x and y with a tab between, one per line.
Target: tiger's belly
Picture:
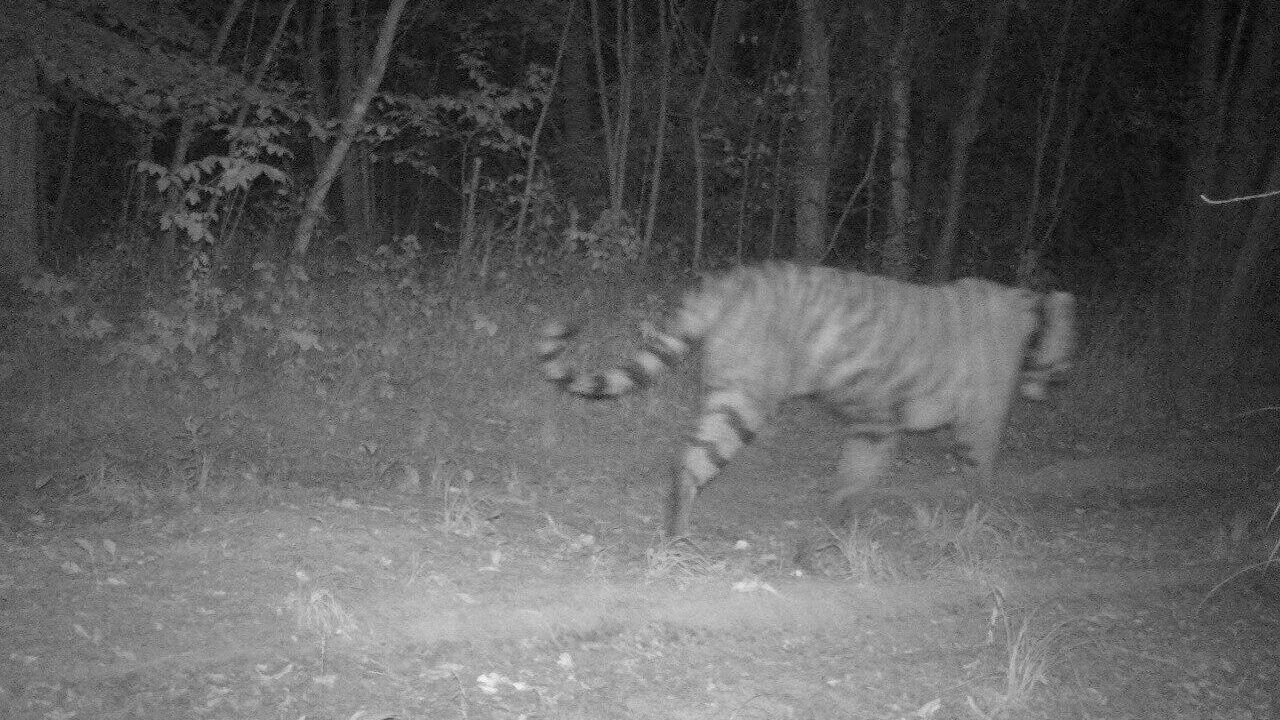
925	414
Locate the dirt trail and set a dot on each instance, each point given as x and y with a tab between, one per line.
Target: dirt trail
318	607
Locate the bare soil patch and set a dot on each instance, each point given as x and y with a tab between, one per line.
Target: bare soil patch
342	604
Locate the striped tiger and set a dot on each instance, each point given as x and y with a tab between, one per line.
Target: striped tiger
886	355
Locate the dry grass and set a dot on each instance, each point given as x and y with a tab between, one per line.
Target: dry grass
1027	659
460	511
319	614
1256	554
863	554
679	559
969	539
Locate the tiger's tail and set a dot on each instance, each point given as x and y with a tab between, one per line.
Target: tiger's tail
661	352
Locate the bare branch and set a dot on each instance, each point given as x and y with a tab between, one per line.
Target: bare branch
1242	198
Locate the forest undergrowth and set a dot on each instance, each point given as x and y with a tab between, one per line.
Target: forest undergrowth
385	388
281	378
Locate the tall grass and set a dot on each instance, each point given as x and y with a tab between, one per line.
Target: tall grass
285	379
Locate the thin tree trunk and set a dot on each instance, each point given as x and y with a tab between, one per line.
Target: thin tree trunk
726	38
1236	308
775	216
695	137
531	163
19	165
227	250
749	165
963	135
574	111
1063	99
1046	112
877	133
68	164
1259	237
186	133
898	254
268	59
813	166
1202	159
749	169
602	94
626	59
355	115
350	185
1032	247
467	236
314	69
660	129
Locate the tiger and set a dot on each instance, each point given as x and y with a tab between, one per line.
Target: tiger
886	356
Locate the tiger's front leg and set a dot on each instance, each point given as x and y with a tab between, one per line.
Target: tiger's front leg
729	421
980	438
861	468
862	464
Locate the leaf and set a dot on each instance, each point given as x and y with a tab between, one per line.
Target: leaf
99	327
483	324
255	321
122	654
304	340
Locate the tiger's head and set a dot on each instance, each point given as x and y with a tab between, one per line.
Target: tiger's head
1052	345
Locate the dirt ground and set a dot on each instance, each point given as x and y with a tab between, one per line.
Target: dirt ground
548	596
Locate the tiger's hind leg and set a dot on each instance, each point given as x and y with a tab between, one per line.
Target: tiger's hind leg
729	421
862	463
980	438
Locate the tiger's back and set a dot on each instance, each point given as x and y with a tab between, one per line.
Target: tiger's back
861	343
886	355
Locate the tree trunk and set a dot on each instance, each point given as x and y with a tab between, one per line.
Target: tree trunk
19	165
226	255
608	130
660	129
313	68
625	51
355	116
962	138
695	137
68	165
813	164
186	133
579	130
351	184
1202	159
535	139
899	252
729	20
1236	307
267	61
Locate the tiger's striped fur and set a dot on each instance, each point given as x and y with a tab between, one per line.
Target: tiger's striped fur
887	356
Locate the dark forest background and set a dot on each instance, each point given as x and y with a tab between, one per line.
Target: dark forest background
160	150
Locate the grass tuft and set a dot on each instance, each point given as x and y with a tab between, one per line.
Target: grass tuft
863	555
